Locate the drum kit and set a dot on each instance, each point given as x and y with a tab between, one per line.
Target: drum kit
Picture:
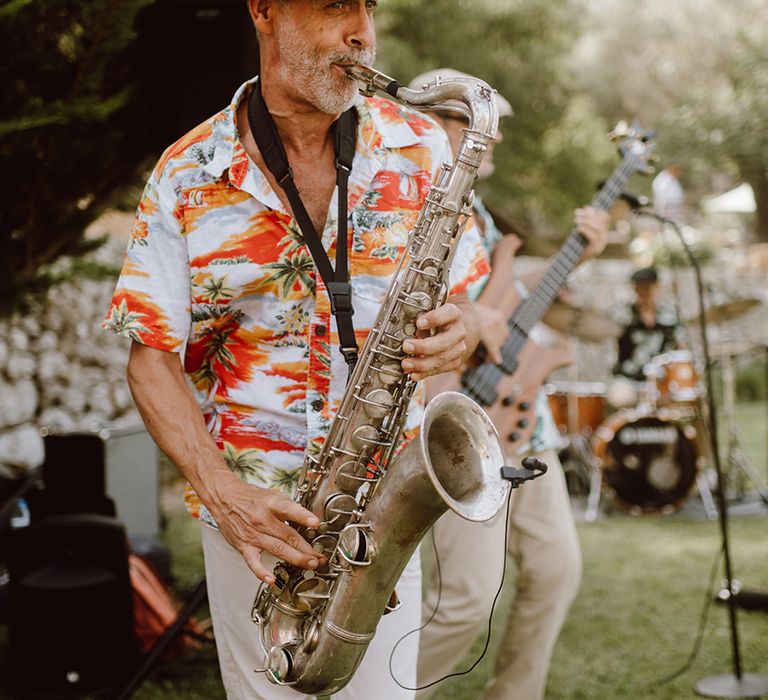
643	443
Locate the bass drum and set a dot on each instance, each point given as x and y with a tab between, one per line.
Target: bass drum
649	461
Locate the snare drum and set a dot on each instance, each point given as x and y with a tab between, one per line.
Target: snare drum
675	379
650	460
577	407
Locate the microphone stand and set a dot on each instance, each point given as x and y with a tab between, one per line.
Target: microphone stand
736	684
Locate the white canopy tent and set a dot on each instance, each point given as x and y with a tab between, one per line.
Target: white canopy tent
740	200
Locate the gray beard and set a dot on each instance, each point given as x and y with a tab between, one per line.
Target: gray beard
311	73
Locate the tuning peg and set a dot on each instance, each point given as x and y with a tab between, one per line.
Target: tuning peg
619	131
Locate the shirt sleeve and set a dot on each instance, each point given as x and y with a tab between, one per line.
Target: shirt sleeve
471	265
151	302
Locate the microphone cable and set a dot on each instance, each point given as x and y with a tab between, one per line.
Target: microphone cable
703	616
437	605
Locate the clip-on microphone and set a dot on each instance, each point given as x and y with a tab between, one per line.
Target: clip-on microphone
532	469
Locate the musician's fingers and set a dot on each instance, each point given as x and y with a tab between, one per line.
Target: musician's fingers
494	353
287	509
252	557
279	548
449	337
447	361
441	316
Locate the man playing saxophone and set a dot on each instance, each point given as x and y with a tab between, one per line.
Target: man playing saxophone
234	362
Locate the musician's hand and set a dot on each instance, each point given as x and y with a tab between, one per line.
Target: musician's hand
493	331
505	250
254	520
440	343
593	223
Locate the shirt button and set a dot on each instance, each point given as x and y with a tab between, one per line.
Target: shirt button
317	405
320	330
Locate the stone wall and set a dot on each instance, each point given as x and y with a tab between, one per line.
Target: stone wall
59	371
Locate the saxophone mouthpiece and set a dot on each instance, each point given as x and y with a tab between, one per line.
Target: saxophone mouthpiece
372	81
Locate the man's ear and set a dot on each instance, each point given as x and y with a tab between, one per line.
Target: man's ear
261	15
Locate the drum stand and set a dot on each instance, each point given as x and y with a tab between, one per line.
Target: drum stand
736	458
579	448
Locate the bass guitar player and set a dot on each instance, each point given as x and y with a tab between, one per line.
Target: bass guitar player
542	538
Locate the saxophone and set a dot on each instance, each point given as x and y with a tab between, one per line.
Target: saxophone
316	626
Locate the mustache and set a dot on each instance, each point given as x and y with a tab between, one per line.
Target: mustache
364	57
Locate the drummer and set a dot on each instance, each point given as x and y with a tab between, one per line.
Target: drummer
651	327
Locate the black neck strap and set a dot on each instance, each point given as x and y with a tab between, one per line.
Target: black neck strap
272	150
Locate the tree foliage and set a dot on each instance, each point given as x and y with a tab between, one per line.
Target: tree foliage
698	71
554	149
64	130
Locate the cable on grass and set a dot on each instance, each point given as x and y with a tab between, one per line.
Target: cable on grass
708	597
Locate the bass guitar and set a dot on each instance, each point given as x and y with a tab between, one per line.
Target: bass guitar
508	390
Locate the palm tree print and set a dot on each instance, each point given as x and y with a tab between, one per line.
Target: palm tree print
216	351
245	463
295	238
215	289
285	479
122	321
292	269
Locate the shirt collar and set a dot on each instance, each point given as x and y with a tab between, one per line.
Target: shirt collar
224	136
389	122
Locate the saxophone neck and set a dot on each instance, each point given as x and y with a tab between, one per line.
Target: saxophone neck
477	97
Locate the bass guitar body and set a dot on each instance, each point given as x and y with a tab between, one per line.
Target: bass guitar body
514	412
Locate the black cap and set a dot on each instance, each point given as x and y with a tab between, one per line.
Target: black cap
645	274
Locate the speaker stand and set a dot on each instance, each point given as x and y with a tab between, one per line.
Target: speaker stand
727	685
194	601
737	684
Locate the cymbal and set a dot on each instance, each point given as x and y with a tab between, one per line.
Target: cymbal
727	311
732	348
585	323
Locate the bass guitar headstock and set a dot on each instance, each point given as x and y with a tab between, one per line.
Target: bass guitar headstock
636	145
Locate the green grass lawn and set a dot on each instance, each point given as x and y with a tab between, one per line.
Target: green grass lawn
633	622
636	616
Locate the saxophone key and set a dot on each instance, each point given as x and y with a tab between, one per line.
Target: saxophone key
310	593
378	403
324	545
365	436
389	372
355	546
338	510
416	303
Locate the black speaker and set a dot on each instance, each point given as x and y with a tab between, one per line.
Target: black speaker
194	55
70	622
112	472
73	477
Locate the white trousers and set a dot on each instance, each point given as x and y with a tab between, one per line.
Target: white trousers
231	590
545	547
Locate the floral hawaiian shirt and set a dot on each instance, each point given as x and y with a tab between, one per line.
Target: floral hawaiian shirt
216	271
